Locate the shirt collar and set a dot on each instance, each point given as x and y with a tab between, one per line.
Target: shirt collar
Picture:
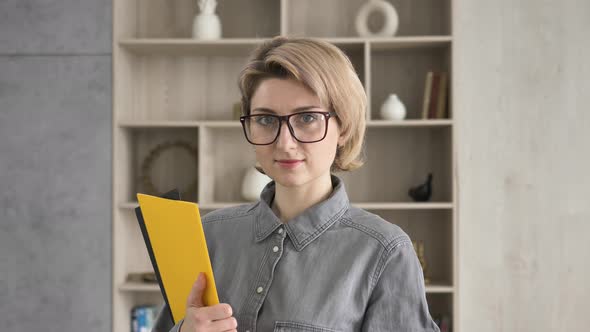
307	226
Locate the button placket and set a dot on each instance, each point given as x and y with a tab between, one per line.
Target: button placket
264	283
278	247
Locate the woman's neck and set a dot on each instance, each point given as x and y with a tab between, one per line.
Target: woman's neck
289	202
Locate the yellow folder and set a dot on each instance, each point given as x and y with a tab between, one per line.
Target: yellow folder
175	240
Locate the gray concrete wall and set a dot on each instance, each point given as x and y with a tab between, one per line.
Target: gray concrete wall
55	165
523	123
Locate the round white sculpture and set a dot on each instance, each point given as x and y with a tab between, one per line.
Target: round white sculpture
386	9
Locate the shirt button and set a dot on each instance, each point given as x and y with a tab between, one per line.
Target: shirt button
280	231
275	249
259	290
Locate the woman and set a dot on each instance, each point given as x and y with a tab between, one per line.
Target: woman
301	258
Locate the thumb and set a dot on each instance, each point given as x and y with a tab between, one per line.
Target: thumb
195	298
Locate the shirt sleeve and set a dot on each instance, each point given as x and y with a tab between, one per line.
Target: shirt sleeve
398	300
164	321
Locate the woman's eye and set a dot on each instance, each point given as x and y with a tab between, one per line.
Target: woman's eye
265	120
308	118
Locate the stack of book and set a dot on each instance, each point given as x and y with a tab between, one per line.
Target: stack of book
143	318
435	96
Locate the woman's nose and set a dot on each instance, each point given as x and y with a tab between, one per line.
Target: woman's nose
285	138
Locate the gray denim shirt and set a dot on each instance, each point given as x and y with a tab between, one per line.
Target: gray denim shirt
332	268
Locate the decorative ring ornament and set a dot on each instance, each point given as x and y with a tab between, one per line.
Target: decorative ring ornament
386	9
146	166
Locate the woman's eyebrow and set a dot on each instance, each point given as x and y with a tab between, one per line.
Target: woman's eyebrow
298	109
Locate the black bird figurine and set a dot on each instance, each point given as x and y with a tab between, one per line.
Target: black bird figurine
422	192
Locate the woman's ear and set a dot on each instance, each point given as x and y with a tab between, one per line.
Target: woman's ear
341	141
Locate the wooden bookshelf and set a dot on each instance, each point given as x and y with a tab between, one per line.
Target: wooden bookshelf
168	87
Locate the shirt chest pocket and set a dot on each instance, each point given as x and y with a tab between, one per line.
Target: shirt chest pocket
285	326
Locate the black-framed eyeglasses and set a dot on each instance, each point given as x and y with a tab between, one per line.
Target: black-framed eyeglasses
305	127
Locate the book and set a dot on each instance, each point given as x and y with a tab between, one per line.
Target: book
143	318
441	102
434	103
173	234
426	100
433	95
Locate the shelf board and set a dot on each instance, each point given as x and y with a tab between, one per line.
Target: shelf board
139	287
226	46
366	206
236	123
222	124
220	205
159	124
405	206
237	46
154	288
185	46
203	206
436	288
179	124
128	205
386	44
410	123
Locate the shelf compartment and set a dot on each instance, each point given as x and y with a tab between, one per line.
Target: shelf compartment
125	301
416	18
434	228
130	253
225	155
357	58
188	87
173	167
183	88
441	304
398	159
403	72
179	89
239	19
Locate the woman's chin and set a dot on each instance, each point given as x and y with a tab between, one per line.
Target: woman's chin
288	180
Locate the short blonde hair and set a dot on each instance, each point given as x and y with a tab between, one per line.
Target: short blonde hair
325	70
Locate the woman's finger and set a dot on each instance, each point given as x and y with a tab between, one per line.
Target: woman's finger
226	324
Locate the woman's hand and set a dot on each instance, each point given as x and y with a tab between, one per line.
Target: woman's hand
199	318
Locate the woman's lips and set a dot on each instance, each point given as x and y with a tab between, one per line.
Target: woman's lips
289	163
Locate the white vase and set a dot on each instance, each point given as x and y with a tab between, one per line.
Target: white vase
390	24
393	108
253	183
207	25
